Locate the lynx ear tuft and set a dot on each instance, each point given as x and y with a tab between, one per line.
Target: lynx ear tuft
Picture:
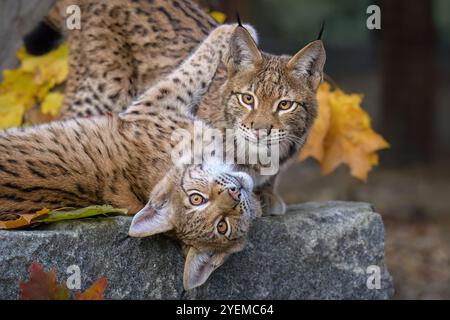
308	63
244	52
238	18
199	265
252	32
150	221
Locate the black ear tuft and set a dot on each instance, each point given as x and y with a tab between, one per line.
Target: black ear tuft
321	31
238	18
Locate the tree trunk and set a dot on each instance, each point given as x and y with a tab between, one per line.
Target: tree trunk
407	37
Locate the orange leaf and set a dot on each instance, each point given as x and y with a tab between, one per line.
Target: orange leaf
43	285
314	145
95	292
23	219
342	133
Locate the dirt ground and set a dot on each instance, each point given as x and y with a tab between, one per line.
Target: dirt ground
415	206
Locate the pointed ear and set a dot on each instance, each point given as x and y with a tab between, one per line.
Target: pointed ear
244	52
199	265
156	216
150	221
308	63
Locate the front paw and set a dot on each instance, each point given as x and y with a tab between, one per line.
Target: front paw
272	204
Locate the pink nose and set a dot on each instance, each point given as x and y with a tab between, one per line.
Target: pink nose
261	133
235	193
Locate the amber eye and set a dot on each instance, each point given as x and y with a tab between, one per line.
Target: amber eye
196	199
222	227
247	99
284	105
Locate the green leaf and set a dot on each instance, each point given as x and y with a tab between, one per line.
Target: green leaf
91	211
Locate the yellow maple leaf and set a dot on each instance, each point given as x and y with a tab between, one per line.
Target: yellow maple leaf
50	68
28	85
218	16
19	86
52	103
314	145
342	133
17	94
11	114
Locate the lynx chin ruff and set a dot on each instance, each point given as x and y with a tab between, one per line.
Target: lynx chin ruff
125	46
125	162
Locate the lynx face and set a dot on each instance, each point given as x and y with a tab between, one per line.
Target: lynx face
272	98
209	208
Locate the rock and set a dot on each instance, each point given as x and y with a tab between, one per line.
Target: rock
315	251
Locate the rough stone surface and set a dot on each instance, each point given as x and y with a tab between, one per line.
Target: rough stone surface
315	251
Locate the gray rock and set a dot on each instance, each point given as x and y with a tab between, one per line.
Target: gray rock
315	251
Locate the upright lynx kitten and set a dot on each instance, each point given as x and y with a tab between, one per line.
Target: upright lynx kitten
125	46
208	207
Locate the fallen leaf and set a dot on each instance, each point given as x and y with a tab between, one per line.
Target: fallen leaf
11	112
52	103
314	146
95	292
29	85
49	216
17	94
218	16
51	68
91	211
43	285
22	219
347	137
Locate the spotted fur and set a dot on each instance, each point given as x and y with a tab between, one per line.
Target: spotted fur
125	46
126	162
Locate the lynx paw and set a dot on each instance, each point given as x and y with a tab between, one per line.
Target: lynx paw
272	205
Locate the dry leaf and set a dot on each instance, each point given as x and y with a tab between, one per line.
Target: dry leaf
52	103
29	85
314	145
347	137
43	285
22	219
49	68
218	16
49	216
95	292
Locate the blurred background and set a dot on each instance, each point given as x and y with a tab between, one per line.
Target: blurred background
403	71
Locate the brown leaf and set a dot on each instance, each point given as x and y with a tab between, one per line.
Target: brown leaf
22	219
43	285
95	292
